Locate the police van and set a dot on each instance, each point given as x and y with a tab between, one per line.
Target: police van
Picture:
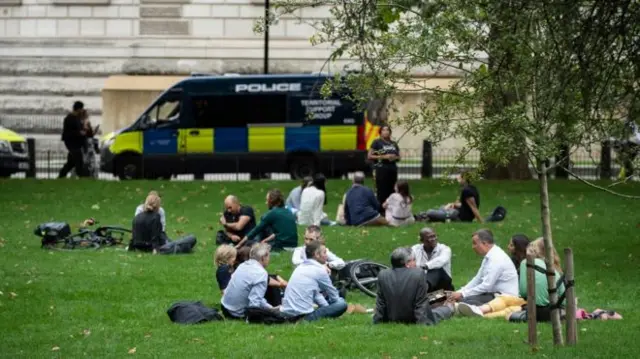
254	124
13	153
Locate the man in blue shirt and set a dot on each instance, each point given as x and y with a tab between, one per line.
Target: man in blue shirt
311	285
248	284
361	208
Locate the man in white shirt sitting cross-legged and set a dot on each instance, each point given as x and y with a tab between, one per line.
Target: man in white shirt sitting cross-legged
497	274
435	259
314	233
309	286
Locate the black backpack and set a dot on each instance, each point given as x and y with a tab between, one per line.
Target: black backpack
498	215
192	313
52	232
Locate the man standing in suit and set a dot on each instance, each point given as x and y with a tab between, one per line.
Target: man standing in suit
402	293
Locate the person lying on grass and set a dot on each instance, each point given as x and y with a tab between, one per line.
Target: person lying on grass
248	285
496	275
280	221
465	209
506	306
314	233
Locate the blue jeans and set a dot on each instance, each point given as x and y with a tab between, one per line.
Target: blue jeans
333	310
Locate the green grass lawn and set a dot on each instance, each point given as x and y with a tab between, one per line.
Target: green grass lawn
104	304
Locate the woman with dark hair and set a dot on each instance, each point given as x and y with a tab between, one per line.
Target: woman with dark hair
280	221
293	200
384	153
399	206
312	203
518	249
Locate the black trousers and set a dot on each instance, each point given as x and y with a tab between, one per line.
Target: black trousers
386	178
439	279
74	160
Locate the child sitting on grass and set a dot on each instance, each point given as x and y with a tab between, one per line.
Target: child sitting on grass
224	259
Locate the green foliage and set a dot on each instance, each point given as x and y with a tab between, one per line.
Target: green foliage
531	75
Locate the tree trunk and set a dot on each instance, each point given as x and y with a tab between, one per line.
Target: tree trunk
545	215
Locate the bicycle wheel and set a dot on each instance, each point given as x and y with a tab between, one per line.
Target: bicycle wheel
81	241
364	275
112	236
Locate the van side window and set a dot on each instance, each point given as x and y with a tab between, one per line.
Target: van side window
212	111
166	113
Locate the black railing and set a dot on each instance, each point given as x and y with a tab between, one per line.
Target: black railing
427	162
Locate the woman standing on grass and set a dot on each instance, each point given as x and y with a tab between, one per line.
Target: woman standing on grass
385	153
399	206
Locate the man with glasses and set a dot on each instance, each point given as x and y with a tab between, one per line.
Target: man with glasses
435	259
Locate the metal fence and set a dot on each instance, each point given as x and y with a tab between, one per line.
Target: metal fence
428	162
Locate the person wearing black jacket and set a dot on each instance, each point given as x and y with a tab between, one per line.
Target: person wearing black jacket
385	153
402	294
73	136
147	234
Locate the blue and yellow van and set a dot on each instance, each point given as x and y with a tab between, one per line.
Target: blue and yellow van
242	124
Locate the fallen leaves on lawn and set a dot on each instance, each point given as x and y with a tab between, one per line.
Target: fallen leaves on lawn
437	342
182	219
95	207
424	338
570	205
55	349
132	350
147	335
86	332
12	295
589	215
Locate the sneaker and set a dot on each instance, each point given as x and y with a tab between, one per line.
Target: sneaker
469	310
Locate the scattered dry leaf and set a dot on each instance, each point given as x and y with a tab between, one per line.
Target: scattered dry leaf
589	215
599	283
437	342
583	329
95	207
12	294
86	332
55	349
424	338
132	351
147	335
569	205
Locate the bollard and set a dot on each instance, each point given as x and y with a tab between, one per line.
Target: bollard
31	147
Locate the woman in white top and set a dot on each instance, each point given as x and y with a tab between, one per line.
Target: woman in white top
398	207
312	203
293	200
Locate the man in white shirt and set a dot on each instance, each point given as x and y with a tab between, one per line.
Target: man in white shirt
435	259
248	284
497	274
308	286
314	233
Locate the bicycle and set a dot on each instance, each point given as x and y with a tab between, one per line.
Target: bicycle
57	235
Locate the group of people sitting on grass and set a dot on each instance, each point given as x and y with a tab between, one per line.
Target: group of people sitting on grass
305	206
499	288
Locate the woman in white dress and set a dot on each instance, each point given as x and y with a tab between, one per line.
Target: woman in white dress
398	207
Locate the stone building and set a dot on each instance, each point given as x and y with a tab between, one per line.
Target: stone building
55	51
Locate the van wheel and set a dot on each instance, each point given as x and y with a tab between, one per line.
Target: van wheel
129	167
302	166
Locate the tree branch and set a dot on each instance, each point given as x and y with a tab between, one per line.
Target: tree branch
600	187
